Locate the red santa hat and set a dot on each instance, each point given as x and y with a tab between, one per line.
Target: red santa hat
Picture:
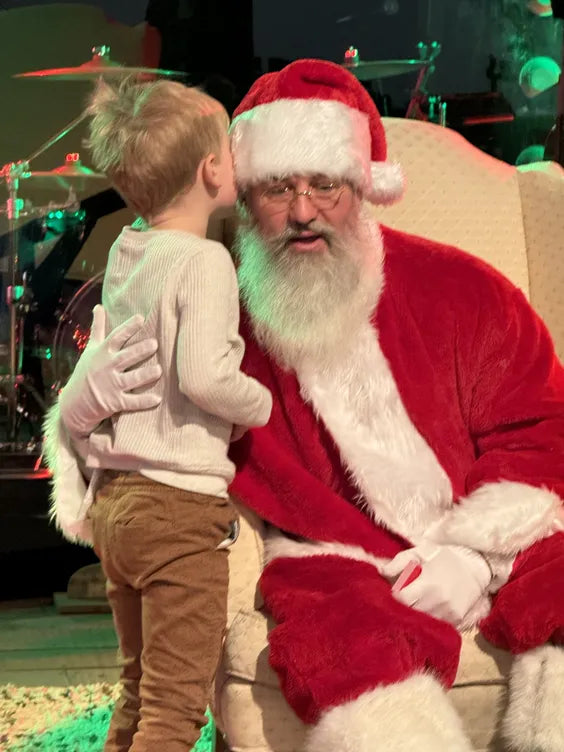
313	117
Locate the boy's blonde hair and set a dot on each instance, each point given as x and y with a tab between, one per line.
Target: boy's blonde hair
149	138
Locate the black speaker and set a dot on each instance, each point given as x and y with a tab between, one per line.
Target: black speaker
558	8
207	38
35	559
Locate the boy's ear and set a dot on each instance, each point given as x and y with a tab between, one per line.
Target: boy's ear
210	171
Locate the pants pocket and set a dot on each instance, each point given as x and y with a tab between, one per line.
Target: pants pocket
232	537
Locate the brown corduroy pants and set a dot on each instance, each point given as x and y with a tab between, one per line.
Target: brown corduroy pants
167	586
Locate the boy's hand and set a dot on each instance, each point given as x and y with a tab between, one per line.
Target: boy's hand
238	433
101	383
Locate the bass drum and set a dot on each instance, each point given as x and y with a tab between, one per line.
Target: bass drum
73	330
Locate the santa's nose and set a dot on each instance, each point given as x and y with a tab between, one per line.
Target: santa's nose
303	210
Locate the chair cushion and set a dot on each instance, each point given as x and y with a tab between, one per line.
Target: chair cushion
255	716
246	654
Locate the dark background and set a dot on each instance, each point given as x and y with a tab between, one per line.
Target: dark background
244	38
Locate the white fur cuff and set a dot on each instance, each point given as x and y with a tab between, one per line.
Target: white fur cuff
414	715
501	518
277	545
70	499
534	721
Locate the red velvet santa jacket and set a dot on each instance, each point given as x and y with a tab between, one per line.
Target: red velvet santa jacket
452	394
445	418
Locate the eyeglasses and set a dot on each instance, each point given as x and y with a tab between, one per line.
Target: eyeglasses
279	195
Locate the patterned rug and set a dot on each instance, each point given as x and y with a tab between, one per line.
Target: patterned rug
64	719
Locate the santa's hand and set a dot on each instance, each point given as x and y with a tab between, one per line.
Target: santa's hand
101	383
452	580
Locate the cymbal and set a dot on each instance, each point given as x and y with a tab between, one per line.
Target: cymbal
99	65
72	174
370	70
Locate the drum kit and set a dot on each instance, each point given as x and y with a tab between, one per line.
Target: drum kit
424	66
22	401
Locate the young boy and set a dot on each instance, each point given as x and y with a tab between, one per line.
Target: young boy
161	519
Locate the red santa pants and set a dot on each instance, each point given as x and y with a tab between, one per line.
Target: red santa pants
341	633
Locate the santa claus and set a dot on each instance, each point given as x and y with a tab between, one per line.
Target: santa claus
418	426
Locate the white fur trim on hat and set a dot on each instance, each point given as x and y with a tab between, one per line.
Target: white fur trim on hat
414	715
309	136
388	182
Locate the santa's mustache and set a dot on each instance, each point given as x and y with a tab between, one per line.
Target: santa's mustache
280	242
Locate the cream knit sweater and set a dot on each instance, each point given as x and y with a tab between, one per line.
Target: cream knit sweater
186	287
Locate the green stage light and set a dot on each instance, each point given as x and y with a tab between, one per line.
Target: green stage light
531	154
542	8
537	75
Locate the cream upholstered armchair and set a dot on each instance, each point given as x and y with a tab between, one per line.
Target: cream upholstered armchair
515	221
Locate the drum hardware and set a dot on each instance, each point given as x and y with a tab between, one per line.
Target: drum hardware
478	108
18	293
437	110
377	70
73	329
372	70
99	66
420	94
72	176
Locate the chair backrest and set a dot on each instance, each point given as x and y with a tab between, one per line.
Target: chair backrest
459	195
542	198
512	218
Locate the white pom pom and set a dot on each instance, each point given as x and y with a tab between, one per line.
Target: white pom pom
388	183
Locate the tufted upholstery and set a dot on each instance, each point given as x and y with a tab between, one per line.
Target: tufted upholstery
542	197
515	220
458	195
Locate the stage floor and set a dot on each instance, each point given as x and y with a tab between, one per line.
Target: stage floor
58	676
39	647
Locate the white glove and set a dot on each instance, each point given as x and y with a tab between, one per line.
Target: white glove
452	580
101	384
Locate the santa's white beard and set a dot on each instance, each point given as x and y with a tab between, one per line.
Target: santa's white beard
310	304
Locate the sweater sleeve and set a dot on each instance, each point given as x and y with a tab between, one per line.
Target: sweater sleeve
210	350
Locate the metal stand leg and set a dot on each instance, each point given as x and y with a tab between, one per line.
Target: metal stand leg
18	299
13	211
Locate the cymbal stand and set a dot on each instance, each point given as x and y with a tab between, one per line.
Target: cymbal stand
18	293
420	94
